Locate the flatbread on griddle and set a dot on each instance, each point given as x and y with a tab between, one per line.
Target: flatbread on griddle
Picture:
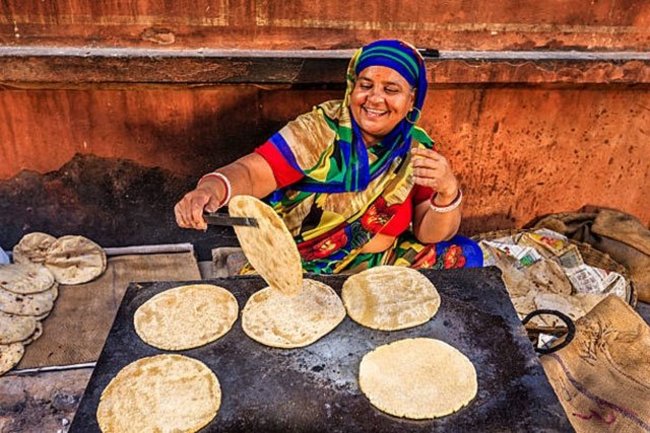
36	304
25	278
75	260
32	248
390	298
269	248
418	378
10	356
186	317
277	320
15	328
163	393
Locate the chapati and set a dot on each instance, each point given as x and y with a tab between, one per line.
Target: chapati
15	328
418	378
163	393
75	260
389	298
186	317
269	248
32	248
36	304
25	278
10	356
35	336
274	319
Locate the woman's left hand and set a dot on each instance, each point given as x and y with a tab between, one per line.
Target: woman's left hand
431	169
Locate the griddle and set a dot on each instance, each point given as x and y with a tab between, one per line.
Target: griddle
315	389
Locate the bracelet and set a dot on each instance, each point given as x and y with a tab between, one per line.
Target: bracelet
225	181
451	206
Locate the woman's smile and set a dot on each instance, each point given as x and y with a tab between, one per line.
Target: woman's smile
373	113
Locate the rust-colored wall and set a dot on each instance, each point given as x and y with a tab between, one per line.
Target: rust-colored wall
323	24
528	137
520	152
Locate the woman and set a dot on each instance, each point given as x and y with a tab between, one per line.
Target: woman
351	176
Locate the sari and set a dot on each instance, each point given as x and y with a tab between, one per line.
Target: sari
350	192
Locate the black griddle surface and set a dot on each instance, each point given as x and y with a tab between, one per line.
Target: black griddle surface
315	389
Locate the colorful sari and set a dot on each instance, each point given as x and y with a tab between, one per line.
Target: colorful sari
350	192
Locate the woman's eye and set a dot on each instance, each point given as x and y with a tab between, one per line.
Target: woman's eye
365	86
391	90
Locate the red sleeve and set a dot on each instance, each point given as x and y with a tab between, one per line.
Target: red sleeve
284	174
421	193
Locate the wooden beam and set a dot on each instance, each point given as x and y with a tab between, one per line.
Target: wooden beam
51	67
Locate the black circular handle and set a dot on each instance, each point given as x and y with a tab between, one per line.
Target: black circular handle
571	329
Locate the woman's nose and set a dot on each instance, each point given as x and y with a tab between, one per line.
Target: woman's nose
375	96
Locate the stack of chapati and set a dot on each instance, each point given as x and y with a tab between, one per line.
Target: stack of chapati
27	295
29	286
71	259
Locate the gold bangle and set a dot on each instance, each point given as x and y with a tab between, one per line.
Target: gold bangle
451	206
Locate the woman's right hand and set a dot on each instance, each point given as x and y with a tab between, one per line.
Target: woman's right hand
208	196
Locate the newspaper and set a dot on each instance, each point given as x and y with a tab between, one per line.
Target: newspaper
570	257
587	279
524	256
516	255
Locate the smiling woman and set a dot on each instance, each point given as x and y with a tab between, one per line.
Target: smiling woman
351	177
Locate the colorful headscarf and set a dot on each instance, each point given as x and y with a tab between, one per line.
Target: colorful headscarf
345	165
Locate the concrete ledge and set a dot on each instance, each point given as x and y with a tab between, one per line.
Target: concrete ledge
52	67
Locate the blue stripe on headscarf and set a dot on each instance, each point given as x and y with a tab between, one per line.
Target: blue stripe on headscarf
390	57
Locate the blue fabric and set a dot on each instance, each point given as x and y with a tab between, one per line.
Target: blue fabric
472	252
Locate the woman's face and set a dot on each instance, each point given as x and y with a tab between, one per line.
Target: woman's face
380	99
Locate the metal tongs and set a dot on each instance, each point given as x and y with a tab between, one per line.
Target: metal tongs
222	219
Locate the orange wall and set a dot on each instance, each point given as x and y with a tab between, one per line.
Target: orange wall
323	24
522	146
520	152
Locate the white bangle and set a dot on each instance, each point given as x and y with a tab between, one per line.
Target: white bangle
451	206
225	181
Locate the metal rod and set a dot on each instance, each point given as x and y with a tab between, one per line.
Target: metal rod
52	368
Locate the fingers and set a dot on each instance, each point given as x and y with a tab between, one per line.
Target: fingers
432	170
428	179
189	211
427	163
213	204
428	173
426	153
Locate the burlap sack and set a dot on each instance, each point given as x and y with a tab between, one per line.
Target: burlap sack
620	235
602	378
